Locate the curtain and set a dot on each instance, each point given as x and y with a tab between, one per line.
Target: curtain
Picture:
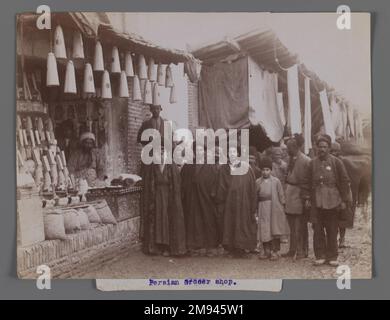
327	115
223	95
263	101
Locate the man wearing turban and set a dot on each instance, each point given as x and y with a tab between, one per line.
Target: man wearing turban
86	162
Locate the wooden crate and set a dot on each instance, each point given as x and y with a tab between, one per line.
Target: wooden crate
123	202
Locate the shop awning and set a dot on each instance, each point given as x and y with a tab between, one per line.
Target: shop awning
138	45
97	25
270	54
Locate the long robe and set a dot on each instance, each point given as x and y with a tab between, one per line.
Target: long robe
272	219
162	220
200	211
236	196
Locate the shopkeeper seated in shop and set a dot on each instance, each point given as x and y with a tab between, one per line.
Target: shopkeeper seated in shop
86	162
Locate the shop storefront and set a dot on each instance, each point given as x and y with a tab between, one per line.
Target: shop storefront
82	80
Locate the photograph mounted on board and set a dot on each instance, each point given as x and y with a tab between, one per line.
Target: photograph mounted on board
182	145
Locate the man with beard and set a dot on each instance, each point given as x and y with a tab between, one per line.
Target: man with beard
329	183
296	185
198	193
86	162
237	202
162	221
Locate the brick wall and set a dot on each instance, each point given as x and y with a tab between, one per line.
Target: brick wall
80	253
193	105
137	112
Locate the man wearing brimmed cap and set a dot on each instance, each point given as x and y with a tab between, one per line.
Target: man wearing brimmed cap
329	184
86	162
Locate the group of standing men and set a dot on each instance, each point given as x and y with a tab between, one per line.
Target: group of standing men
202	208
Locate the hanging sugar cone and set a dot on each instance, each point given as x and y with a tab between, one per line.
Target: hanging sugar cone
156	95
59	43
61	180
115	64
89	85
152	72
47	186
172	95
29	125
142	73
160	75
136	89
51	72
168	77
123	86
38	176
129	65
148	99
98	62
78	47
70	79
106	86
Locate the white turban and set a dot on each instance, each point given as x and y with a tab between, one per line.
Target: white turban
87	135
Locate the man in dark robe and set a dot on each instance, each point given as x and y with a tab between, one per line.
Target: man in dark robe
200	212
237	201
155	122
162	228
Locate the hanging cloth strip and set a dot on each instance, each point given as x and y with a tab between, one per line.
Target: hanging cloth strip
327	115
307	124
293	100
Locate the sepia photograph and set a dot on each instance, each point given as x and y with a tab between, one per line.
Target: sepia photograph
183	145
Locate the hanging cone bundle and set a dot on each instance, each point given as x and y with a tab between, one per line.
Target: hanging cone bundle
98	61
172	95
106	86
89	84
148	99
115	63
168	77
51	72
59	43
123	86
78	48
160	75
152	72
137	96
156	95
129	65
142	73
70	78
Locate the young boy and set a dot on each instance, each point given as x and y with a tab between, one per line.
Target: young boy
271	217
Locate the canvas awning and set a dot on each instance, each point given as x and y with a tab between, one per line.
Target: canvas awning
270	54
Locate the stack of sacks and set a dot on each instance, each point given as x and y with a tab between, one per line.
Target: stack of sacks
59	223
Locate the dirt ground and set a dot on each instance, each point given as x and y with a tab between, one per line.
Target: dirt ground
136	265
